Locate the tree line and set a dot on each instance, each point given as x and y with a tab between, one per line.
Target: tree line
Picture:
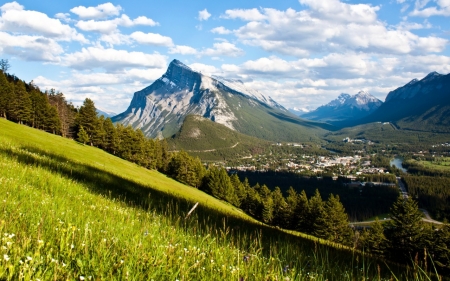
26	104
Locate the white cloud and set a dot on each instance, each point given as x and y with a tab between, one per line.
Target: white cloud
244	14
442	9
220	30
112	60
15	19
203	15
333	26
110	91
109	26
151	39
183	50
30	48
204	68
101	11
223	49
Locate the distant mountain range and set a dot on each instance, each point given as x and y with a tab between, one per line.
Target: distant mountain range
105	113
160	109
345	107
422	105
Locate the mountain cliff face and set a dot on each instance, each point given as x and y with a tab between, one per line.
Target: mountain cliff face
345	107
160	109
419	105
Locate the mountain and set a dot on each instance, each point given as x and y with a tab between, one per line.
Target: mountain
106	114
345	107
160	109
298	111
422	105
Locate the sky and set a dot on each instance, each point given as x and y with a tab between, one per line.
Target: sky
302	53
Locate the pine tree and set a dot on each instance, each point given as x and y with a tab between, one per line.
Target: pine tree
332	223
279	207
6	95
289	214
376	241
20	109
315	211
301	211
87	117
441	247
82	135
405	228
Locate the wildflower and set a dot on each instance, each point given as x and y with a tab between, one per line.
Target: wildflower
286	269
6	257
29	258
63	264
40	241
121	261
81	277
246	258
72	246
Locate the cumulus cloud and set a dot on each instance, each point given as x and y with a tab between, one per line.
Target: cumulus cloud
183	50
112	60
329	26
223	49
98	12
15	18
204	68
109	26
244	14
203	15
441	9
151	39
110	91
220	30
30	48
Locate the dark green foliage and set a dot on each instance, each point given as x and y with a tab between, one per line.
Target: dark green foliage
218	183
376	242
405	230
6	96
20	106
87	117
442	246
332	223
189	170
82	135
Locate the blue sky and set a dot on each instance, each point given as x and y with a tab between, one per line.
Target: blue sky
302	53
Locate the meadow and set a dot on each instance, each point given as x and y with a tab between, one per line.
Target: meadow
73	212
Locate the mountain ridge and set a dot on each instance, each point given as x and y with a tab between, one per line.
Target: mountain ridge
159	109
345	107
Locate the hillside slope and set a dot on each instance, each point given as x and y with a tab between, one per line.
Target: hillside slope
74	212
212	141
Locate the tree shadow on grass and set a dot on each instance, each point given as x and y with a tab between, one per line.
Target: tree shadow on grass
137	195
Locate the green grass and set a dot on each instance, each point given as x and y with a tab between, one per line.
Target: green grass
73	212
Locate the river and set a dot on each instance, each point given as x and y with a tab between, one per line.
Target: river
397	162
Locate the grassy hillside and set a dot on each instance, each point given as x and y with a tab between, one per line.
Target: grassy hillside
74	212
212	141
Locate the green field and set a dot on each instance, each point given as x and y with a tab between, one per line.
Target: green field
74	212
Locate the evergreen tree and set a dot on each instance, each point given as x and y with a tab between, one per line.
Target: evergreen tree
332	223
301	212
20	109
289	214
441	247
405	229
82	136
279	207
111	138
6	95
315	211
87	117
376	241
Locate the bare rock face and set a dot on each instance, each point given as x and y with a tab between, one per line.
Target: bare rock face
160	109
